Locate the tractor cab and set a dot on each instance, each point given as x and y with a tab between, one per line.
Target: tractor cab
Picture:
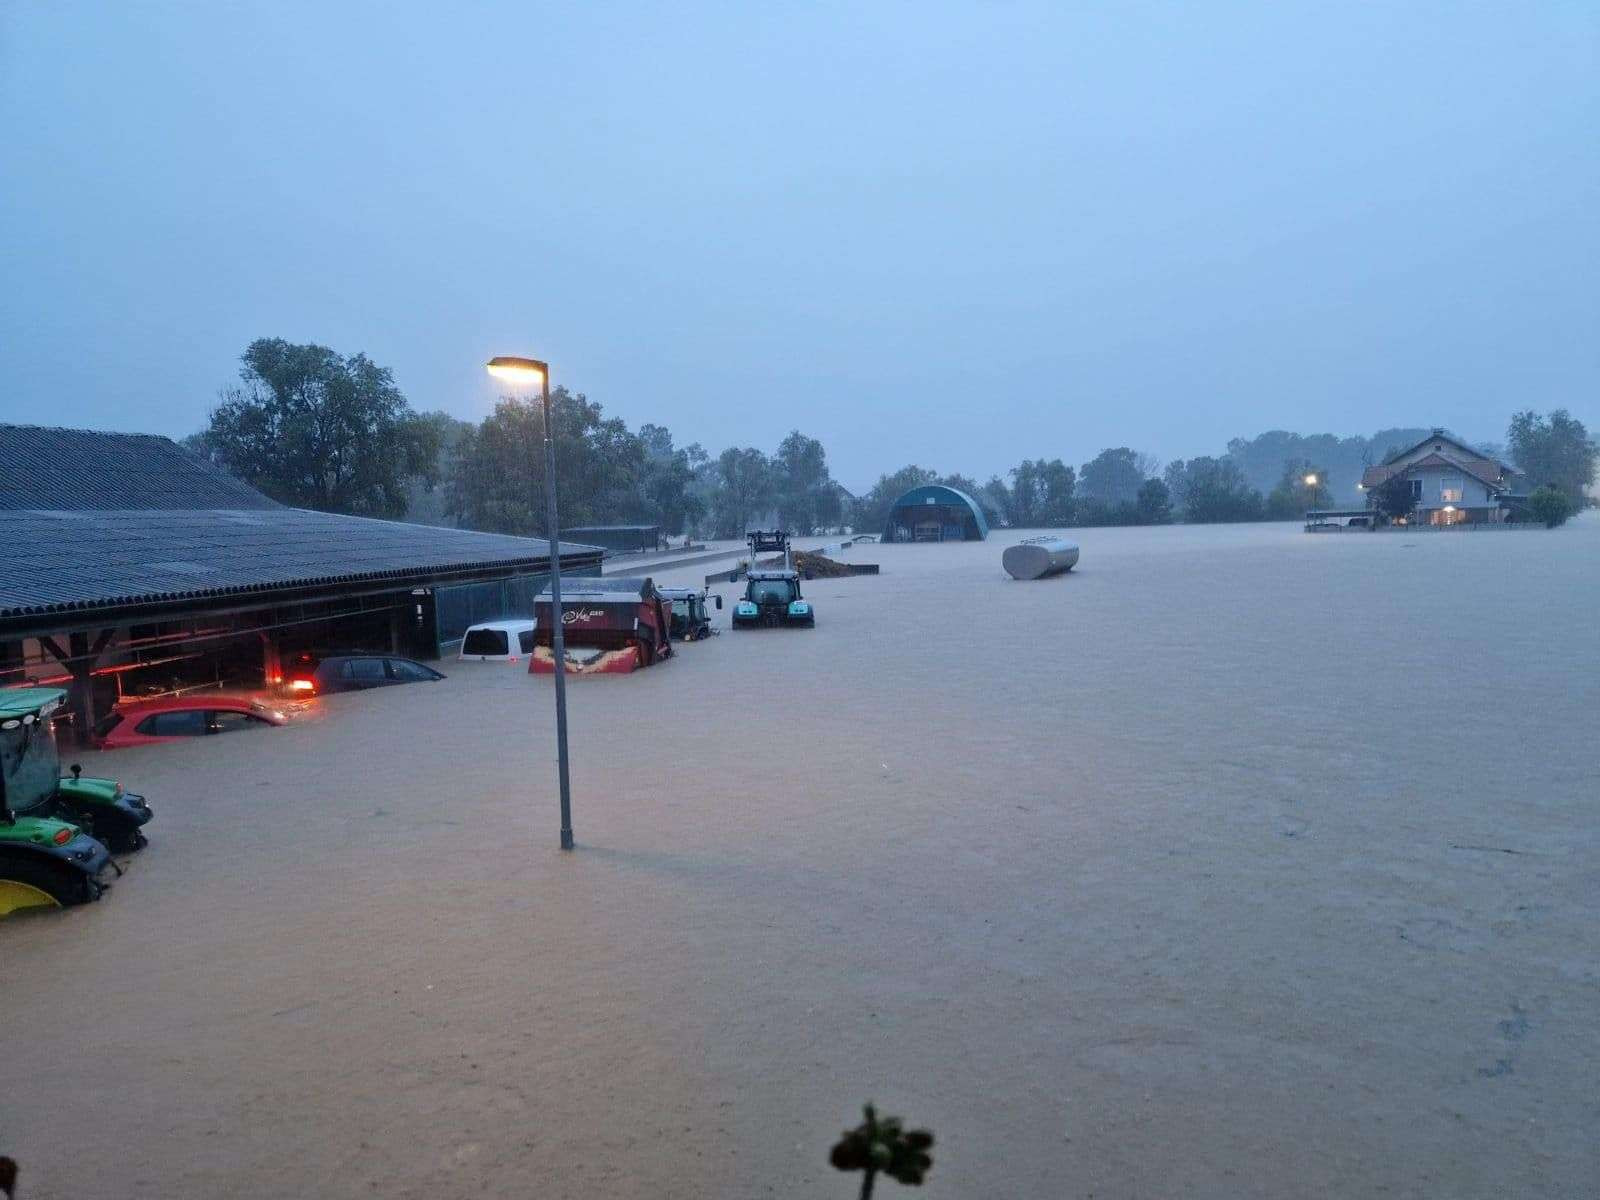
33	782
772	598
688	612
772	595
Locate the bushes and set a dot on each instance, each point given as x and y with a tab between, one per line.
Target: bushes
1550	505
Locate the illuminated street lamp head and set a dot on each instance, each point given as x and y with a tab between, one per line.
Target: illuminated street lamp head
524	371
1311	481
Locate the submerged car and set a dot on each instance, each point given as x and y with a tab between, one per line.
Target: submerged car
149	722
321	675
772	598
56	834
498	641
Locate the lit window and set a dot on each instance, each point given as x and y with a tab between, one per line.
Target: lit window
1450	489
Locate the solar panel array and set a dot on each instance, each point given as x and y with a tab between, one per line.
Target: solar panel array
101	520
61	561
76	469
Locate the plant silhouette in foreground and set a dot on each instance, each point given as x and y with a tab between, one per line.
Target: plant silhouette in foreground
880	1144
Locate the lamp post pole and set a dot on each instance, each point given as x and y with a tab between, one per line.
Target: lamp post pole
558	644
520	372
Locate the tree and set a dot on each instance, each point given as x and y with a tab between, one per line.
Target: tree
428	497
997	501
1026	495
667	484
1261	458
1394	499
744	490
1211	489
804	491
1154	503
1115	476
1550	505
497	482
1057	483
1554	450
1292	495
314	429
1041	493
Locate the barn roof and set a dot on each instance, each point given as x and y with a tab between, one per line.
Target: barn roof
71	469
172	533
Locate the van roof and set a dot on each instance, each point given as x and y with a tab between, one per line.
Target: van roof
18	702
511	625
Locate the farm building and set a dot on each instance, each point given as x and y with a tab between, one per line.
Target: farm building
134	568
1451	483
935	513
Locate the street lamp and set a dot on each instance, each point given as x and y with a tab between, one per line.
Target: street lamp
1311	481
524	372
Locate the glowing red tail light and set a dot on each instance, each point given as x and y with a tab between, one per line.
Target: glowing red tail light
302	685
63	836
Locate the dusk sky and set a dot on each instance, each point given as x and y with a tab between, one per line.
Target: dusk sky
956	235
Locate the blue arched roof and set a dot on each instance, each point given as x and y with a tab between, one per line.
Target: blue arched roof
938	493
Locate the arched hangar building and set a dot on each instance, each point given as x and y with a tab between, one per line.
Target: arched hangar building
935	513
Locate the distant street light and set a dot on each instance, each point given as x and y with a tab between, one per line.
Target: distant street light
525	372
1311	481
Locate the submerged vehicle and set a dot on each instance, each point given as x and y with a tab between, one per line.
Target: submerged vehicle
150	722
687	611
772	594
608	627
773	598
353	671
54	832
498	641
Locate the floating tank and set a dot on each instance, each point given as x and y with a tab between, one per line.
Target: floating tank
1040	558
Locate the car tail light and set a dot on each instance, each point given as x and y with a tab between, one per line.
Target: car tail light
63	836
302	685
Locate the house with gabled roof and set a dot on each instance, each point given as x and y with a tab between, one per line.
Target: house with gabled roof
1451	482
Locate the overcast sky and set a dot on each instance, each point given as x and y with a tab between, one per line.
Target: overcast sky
957	235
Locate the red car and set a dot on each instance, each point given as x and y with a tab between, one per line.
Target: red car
144	724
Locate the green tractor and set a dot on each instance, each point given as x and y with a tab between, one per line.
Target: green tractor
689	614
56	835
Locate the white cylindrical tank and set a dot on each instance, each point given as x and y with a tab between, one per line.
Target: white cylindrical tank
1039	558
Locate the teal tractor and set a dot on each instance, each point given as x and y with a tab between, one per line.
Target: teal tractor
56	834
772	594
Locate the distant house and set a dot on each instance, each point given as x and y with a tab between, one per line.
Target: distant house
1451	483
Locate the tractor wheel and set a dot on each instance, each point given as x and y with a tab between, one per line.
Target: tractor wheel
120	836
28	882
128	841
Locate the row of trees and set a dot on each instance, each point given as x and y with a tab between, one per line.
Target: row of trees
314	429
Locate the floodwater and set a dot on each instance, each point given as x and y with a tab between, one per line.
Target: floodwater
1238	863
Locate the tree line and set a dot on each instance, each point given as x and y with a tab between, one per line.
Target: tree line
315	429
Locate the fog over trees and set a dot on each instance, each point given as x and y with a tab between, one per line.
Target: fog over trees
319	430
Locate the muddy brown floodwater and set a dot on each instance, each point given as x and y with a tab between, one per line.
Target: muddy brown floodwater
1238	863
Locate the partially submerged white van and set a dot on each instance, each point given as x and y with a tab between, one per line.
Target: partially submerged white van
498	641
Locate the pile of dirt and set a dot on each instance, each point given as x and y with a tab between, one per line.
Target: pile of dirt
812	566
